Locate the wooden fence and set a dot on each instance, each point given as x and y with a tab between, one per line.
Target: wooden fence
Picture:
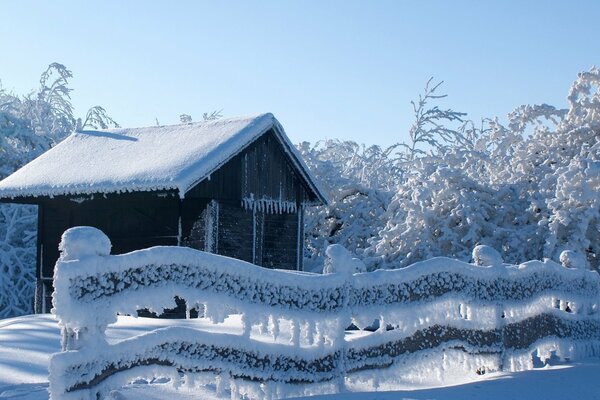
500	313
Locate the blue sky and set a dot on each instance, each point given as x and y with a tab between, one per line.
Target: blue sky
326	69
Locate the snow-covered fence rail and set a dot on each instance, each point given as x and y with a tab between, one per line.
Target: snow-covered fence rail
498	314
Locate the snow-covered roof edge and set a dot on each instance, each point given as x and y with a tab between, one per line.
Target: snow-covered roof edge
288	148
287	145
191	175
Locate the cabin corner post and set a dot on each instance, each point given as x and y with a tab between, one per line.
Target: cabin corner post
38	297
300	234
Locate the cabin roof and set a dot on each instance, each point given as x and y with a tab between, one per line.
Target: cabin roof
174	157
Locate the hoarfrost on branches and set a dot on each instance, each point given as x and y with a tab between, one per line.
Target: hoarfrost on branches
30	125
529	188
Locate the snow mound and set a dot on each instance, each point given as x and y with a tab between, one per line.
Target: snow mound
571	259
340	260
486	256
83	241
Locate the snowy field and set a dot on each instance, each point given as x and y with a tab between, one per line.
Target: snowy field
27	342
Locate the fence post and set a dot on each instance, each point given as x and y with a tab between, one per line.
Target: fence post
77	245
339	260
488	257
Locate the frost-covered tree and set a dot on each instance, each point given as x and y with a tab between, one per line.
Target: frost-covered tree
430	131
442	211
357	180
185	118
574	222
30	125
96	118
211	116
528	188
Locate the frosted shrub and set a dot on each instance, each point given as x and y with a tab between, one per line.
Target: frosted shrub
530	189
358	182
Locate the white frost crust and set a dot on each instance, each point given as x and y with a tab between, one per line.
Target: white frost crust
551	347
86	313
96	358
77	314
116	160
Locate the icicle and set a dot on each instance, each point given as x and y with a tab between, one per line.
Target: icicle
263	325
319	332
222	383
267	390
274	326
562	305
382	325
234	389
310	332
464	311
295	340
246	325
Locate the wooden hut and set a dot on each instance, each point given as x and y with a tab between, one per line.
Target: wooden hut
235	187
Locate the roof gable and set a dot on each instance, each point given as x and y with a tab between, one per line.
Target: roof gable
174	157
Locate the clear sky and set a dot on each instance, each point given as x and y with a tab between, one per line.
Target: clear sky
326	69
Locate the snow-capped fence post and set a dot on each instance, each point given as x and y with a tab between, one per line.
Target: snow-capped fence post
80	247
488	257
340	261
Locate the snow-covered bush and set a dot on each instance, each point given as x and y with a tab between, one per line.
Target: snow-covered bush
571	259
17	259
486	256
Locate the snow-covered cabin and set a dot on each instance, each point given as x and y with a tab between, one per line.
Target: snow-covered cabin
235	187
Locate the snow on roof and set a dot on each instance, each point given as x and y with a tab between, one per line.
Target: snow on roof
174	157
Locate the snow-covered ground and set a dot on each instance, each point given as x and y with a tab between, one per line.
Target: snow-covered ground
27	342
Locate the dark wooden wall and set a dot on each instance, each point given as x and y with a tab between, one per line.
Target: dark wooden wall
132	221
261	171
